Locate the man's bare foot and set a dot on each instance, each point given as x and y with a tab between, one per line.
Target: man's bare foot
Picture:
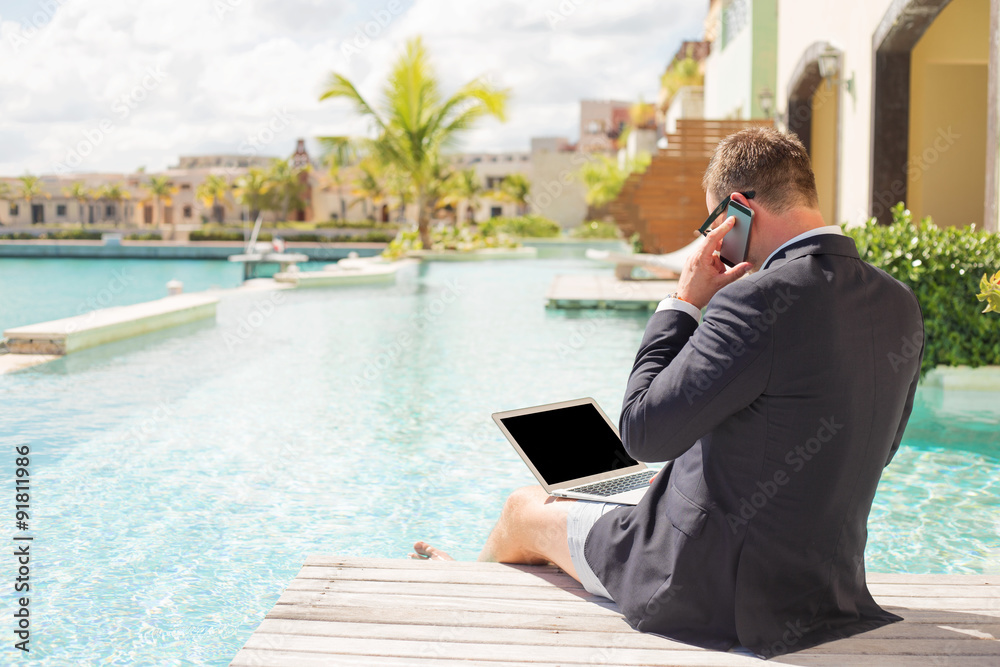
424	551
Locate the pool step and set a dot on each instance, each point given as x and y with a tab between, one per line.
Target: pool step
606	291
107	325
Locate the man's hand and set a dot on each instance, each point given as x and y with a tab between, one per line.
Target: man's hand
704	273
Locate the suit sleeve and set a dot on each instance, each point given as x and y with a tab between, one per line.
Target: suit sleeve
908	406
688	378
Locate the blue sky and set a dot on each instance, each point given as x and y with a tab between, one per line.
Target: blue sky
101	85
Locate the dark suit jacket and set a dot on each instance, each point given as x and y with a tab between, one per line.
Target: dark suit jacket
778	413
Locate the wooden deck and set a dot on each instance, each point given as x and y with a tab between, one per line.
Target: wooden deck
604	291
372	612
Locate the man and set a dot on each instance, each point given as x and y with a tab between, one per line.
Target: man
776	414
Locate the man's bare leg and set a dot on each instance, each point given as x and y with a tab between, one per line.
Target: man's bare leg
531	530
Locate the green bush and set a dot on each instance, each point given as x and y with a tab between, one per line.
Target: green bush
210	234
355	224
58	235
943	267
460	238
595	229
149	236
524	226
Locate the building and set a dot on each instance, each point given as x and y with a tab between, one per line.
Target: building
741	68
551	167
897	100
601	123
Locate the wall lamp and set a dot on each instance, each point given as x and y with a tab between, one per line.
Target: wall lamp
829	67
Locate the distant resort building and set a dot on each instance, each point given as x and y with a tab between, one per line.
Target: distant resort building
550	166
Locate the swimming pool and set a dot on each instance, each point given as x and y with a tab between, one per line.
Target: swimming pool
181	479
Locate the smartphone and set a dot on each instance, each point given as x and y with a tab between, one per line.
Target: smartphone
736	243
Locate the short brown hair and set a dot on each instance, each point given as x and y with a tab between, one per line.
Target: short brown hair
774	164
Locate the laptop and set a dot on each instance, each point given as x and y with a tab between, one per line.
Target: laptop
574	451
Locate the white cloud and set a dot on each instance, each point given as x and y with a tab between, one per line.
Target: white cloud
179	77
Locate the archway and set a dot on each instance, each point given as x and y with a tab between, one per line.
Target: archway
934	135
814	116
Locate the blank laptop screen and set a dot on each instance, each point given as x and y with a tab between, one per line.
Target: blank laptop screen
568	443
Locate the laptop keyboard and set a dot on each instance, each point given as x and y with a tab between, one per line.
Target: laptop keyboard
616	485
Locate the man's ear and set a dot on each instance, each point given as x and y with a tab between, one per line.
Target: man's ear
739	198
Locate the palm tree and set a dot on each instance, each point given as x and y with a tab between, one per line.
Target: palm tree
160	189
30	189
415	121
252	190
82	194
370	184
287	186
515	188
338	153
116	194
214	189
464	185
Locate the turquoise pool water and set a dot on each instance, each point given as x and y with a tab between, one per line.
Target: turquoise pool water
181	479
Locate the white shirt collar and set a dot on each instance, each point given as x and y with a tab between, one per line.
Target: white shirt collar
827	229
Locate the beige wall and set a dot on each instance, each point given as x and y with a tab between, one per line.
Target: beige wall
848	25
823	148
948	106
556	190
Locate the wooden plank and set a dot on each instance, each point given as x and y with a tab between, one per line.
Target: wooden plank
465	590
526	636
445	602
470	616
396	612
543	577
494	651
806	659
584	635
266	658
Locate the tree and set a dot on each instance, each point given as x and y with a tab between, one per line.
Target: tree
286	187
514	188
370	184
160	190
252	190
681	72
464	185
213	190
116	194
82	194
603	178
30	189
338	154
415	121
